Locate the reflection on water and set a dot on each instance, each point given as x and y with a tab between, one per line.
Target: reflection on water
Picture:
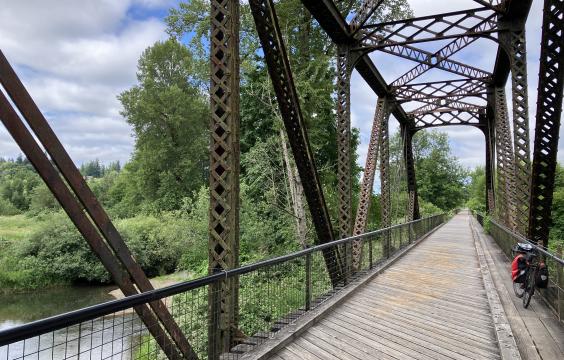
109	337
22	308
117	336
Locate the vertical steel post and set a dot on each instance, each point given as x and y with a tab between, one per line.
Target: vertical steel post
223	244
505	161
308	282
489	136
413	202
385	198
549	109
344	140
513	40
381	115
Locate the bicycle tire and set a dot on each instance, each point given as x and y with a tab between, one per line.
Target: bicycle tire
519	289
529	287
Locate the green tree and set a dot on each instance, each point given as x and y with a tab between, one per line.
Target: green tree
169	117
477	190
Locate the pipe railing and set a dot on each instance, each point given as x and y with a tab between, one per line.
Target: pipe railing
272	294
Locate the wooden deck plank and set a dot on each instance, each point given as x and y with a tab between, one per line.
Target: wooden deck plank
431	304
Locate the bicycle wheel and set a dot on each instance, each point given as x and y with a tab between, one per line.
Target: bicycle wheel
519	289
529	287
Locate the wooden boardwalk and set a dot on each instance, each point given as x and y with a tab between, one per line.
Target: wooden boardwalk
431	304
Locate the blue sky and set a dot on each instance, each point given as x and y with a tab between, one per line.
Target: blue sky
75	57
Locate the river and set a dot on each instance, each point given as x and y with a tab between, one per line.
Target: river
104	338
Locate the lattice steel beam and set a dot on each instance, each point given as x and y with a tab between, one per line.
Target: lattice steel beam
441	89
443	55
514	40
412	197
381	116
444	118
505	202
472	22
279	69
490	166
364	13
344	71
549	109
329	18
429	60
446	105
385	195
223	247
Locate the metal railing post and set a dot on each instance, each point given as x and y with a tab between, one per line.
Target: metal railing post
308	282
370	258
559	285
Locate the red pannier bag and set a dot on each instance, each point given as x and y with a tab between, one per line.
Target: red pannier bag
519	263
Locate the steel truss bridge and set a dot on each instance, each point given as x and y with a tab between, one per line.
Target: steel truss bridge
227	314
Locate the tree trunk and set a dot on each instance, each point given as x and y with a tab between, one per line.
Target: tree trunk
296	194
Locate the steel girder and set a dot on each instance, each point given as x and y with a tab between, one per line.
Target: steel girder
366	10
549	109
515	41
445	118
472	22
441	89
344	71
505	202
93	224
223	246
381	116
279	69
385	195
412	200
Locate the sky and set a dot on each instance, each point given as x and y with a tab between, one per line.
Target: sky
75	57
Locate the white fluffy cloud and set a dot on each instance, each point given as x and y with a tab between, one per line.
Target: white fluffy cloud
75	57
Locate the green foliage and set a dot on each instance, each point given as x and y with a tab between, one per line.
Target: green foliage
7	208
477	190
17	181
557	229
169	117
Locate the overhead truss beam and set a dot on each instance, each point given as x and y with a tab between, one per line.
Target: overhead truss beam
472	22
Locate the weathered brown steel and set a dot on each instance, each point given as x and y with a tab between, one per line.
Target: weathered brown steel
279	69
381	116
385	196
549	109
72	207
427	28
444	117
490	163
344	70
72	176
364	13
442	90
412	197
516	43
223	247
505	204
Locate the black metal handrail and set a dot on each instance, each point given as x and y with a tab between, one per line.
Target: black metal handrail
403	234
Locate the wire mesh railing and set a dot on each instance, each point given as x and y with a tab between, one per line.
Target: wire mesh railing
271	294
553	294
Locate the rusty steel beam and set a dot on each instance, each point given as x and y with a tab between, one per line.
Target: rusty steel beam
381	116
446	117
72	207
412	197
505	202
385	195
72	176
429	28
278	65
364	13
344	180
223	244
333	23
441	89
549	110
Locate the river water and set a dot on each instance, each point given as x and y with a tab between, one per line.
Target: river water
104	338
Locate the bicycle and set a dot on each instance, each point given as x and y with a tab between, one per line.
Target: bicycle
526	288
